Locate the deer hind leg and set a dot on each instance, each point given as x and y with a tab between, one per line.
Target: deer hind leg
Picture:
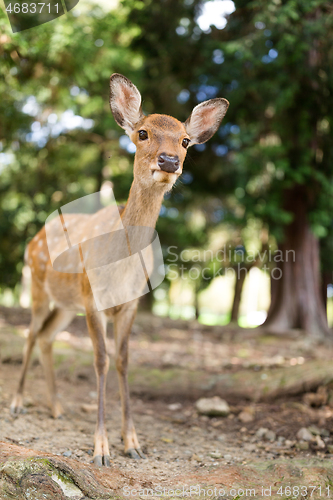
122	328
39	315
96	323
57	321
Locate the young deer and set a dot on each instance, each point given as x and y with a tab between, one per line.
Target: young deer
161	143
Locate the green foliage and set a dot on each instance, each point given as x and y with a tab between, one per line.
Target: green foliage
51	76
273	61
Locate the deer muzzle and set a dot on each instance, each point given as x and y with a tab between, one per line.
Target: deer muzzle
168	163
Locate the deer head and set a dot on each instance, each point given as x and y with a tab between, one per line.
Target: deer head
161	141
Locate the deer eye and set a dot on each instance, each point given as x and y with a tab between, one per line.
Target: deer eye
185	143
143	135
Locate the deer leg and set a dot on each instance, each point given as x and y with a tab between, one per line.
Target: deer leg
57	321
96	322
39	315
123	321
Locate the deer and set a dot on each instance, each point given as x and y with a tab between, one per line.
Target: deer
161	145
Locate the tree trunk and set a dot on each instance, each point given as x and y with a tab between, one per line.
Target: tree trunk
240	273
296	290
326	279
196	305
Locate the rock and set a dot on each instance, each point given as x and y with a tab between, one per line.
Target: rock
318	432
270	436
319	442
67	454
316	399
174	406
89	408
330	448
204	418
216	423
166	440
314	430
302	445
221	438
215	454
212	407
261	432
288	443
178	418
265	434
227	457
250	447
304	434
247	415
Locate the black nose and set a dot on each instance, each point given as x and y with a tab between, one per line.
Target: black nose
168	163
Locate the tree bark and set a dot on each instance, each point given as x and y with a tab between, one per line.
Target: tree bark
296	289
196	305
326	279
240	273
37	475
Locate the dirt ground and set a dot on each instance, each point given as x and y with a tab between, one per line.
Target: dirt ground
265	379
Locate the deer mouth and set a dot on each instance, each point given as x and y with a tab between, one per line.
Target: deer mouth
164	177
165	174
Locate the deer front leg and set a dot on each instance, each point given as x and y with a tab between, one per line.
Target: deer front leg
122	328
97	330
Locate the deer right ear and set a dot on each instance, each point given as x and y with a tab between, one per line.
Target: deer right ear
125	102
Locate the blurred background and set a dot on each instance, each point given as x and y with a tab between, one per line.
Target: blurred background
247	232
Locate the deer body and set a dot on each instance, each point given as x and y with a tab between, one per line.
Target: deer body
161	143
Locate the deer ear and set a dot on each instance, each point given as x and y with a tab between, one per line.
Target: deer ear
205	119
125	102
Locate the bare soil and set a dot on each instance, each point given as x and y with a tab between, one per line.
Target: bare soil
172	364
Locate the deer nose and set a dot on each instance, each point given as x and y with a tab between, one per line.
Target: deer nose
168	163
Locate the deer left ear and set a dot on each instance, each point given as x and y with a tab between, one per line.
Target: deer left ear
125	102
205	119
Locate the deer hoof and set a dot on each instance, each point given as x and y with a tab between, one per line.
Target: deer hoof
16	405
100	460
142	455
135	453
57	410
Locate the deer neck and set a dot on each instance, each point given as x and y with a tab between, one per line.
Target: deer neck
143	206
